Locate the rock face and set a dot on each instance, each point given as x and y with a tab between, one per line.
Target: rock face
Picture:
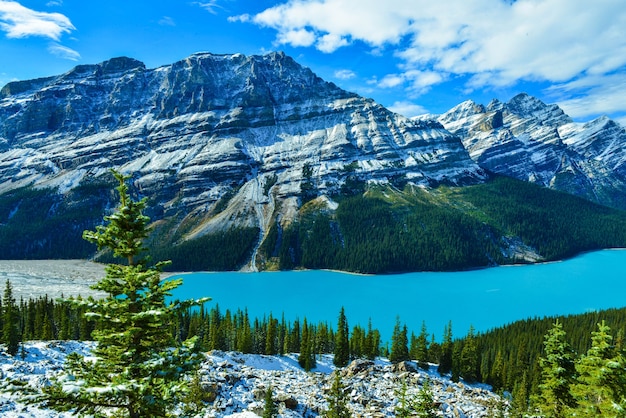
214	126
529	140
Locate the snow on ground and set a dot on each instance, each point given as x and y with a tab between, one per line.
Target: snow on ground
235	384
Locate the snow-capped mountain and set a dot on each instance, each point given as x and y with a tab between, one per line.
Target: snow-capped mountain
211	125
532	141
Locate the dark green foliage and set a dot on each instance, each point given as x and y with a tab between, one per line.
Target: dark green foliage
306	359
270	410
445	360
140	369
10	321
226	250
557	374
385	230
307	188
470	358
337	399
557	224
43	224
404	403
418	349
342	345
425	406
600	386
399	343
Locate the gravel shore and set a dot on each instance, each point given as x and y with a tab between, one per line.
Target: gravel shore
55	278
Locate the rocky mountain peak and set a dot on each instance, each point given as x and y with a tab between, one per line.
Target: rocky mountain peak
230	129
533	141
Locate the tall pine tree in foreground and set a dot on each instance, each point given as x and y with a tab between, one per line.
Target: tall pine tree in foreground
557	374
138	370
600	387
10	321
342	341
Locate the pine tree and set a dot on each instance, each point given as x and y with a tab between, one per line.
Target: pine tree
445	361
470	358
342	342
399	343
425	406
557	374
419	348
404	405
139	368
306	359
270	409
10	321
337	402
600	387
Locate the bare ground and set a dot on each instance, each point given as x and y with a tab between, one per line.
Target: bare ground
55	278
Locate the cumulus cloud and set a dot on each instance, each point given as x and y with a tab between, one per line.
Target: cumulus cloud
591	95
408	109
20	22
63	52
493	43
344	74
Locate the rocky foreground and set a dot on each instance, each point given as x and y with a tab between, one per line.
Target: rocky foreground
235	384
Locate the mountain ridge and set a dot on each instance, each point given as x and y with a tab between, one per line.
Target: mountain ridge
236	145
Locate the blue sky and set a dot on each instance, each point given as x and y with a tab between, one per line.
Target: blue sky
413	56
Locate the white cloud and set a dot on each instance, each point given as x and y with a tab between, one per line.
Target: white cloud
590	96
209	6
299	37
408	109
344	74
20	22
167	21
493	43
331	42
63	52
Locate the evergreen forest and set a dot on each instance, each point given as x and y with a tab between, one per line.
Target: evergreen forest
386	230
373	229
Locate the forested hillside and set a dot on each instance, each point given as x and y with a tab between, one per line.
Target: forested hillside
447	228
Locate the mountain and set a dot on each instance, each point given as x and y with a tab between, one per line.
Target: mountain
214	141
532	141
255	161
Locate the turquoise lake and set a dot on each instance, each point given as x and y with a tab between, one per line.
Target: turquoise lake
484	298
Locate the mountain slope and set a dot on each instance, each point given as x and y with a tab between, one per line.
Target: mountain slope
531	141
215	141
245	158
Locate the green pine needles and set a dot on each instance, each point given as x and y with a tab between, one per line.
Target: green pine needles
137	368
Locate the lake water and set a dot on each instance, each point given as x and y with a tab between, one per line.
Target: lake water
484	298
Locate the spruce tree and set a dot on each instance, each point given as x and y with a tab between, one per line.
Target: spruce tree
138	369
557	374
10	321
445	360
270	410
425	406
470	358
337	402
399	343
342	342
419	348
600	387
306	359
